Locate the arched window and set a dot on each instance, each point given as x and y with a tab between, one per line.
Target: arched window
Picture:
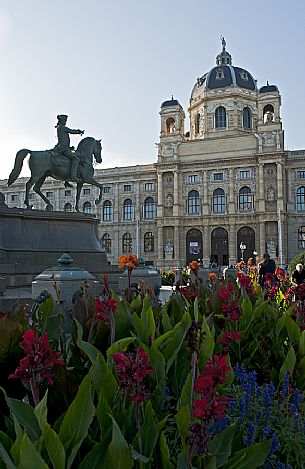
106	243
107	211
220	118
127	242
128	211
149	242
87	207
193	203
301	237
301	198
197	123
268	113
245	199
170	125
219	201
149	208
68	207
246	118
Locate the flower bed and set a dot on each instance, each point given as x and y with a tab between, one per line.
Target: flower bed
213	378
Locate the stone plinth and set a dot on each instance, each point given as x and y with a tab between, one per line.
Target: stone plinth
32	241
149	276
65	281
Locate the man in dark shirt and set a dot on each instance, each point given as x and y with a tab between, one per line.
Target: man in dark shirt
298	276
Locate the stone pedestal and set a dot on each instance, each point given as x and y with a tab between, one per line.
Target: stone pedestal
32	241
64	282
149	276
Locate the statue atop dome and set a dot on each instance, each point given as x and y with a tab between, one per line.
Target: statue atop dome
223	42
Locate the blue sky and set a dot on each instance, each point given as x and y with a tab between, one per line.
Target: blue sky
110	64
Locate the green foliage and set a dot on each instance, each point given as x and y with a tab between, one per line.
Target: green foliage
298	259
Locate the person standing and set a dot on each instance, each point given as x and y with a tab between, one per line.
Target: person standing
267	266
298	275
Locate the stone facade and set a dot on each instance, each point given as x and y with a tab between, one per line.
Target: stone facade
224	182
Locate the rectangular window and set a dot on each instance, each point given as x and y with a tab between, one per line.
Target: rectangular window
149	186
86	191
14	197
193	178
301	174
49	194
218	176
32	196
106	189
68	193
244	174
127	187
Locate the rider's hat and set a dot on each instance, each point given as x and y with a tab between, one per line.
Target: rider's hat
61	116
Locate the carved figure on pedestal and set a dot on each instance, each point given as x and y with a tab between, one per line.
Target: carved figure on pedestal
60	163
270	194
271	247
169	200
168	248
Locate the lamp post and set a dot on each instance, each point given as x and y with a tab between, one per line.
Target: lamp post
242	247
255	254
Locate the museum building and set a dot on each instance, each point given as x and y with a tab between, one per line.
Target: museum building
226	183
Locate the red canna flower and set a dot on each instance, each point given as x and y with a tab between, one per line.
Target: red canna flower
39	360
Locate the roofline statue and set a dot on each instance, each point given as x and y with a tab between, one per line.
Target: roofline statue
61	163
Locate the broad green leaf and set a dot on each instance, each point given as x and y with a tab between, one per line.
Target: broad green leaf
149	432
120	346
102	378
87	348
207	346
54	447
139	457
157	361
24	414
259	309
212	463
302	344
103	413
220	446
186	394
293	330
77	420
147	316
93	459
41	412
196	310
176	339
280	325
10	335
164	451
166	322
122	318
182	460
247	314
117	455
289	363
29	456
251	457
5	457
159	342
183	420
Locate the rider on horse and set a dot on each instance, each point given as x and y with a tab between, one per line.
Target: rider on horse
63	145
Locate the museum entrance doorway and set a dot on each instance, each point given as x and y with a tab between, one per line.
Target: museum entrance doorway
193	245
245	236
219	247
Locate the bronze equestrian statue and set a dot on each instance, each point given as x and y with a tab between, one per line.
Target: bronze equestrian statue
61	163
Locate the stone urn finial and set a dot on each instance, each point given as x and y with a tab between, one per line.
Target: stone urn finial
65	259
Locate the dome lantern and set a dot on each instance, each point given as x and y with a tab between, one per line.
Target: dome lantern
224	58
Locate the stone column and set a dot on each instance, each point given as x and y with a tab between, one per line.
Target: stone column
176	195
205	201
160	196
232	245
206	246
160	243
116	207
231	207
261	187
289	193
280	204
262	239
177	243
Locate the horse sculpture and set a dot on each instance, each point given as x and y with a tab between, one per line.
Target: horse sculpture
50	163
